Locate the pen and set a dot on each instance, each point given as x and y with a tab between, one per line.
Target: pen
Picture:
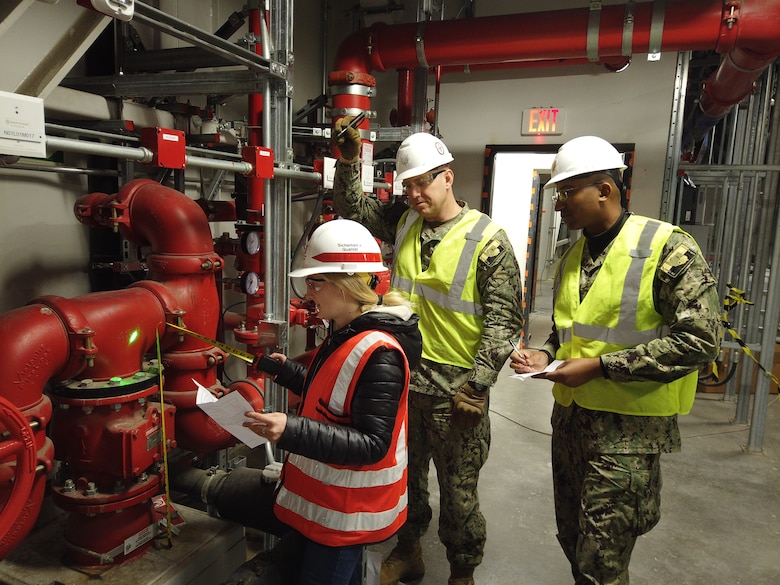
514	346
355	121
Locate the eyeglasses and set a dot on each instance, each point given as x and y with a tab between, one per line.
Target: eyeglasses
422	181
315	284
564	194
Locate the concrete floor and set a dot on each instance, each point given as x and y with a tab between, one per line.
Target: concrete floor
719	523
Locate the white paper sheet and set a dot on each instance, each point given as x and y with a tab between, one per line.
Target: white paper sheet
228	412
553	365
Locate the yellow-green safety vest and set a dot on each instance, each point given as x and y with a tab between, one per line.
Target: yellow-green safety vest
445	296
617	313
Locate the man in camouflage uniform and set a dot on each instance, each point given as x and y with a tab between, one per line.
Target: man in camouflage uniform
635	315
448	398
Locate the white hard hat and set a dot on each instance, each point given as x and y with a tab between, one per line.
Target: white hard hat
420	153
584	155
340	245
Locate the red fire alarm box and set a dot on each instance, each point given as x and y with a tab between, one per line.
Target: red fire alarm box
261	159
166	145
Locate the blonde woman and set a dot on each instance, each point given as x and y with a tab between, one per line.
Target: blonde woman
343	484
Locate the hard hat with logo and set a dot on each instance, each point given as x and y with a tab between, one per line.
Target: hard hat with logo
420	153
582	156
340	245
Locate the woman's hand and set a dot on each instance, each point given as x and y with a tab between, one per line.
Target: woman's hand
270	425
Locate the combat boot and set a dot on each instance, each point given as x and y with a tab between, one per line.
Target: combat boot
461	576
405	563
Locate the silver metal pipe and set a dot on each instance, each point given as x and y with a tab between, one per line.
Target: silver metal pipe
140	153
303	175
93	133
241	167
45	168
144	155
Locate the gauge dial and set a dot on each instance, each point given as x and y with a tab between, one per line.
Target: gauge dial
250	283
250	242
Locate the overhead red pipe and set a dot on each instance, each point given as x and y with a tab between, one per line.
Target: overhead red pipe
611	63
749	31
551	35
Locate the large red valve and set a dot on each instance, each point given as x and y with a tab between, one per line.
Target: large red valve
19	448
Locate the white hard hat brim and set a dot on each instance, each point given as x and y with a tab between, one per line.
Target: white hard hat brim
370	268
419	170
568	175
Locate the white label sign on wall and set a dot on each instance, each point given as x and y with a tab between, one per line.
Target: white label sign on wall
22	129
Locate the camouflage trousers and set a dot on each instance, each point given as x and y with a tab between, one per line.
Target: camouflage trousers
603	502
458	455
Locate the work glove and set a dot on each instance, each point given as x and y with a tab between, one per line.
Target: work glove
469	405
349	144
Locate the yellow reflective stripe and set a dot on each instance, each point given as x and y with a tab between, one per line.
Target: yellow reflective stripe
611	335
629	300
434	296
452	299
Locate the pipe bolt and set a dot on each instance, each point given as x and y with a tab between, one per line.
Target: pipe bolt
68	486
91	489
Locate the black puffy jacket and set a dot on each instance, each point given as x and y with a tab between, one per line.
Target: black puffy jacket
376	396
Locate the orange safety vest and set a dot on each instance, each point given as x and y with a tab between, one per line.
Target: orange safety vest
344	505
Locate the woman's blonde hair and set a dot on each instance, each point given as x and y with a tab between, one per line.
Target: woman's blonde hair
357	285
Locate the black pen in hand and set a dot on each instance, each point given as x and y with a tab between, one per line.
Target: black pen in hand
354	122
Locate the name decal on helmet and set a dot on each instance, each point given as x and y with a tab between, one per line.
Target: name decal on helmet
347	257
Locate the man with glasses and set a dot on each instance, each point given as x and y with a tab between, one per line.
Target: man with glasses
636	314
458	269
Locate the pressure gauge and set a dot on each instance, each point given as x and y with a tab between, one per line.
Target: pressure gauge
250	283
250	242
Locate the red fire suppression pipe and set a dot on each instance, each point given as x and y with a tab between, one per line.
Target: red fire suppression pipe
402	116
748	32
91	350
256	194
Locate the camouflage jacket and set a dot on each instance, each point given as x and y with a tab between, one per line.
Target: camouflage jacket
685	293
498	281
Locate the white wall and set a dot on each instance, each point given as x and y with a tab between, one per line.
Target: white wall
633	106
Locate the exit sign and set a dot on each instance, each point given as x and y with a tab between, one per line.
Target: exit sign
542	121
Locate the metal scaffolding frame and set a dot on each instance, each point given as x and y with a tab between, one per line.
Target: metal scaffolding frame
739	206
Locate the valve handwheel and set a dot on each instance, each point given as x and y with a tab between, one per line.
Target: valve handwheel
20	444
